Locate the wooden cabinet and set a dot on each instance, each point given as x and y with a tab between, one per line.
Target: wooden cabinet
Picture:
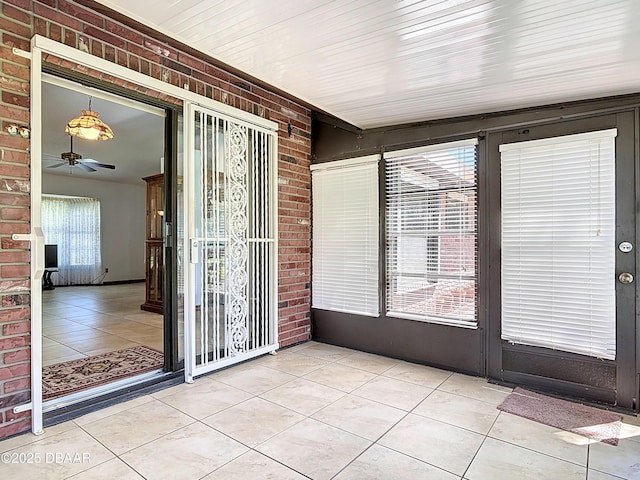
154	245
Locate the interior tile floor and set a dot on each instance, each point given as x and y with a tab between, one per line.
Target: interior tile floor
321	412
82	321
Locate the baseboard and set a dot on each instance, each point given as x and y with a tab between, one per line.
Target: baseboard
122	282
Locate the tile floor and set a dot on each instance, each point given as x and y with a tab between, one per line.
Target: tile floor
321	412
81	321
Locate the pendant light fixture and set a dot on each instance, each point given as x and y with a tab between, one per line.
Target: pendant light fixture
89	126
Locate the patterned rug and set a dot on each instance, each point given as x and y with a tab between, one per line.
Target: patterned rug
69	377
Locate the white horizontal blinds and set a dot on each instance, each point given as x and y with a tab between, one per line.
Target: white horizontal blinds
558	236
345	236
431	230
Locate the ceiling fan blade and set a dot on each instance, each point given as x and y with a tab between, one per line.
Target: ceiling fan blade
84	167
57	165
101	165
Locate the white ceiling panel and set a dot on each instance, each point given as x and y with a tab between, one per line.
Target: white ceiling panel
375	63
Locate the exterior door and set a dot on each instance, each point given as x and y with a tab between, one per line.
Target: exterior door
231	213
562	304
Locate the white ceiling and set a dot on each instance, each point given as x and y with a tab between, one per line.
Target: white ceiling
135	150
384	62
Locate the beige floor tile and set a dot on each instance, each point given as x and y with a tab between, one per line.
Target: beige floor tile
314	449
190	452
55	457
52	361
379	463
58	351
369	362
394	393
498	460
459	411
103	343
254	379
324	351
114	469
595	475
253	465
254	421
418	374
112	410
113	347
541	438
291	363
622	461
358	415
445	446
298	347
139	425
340	377
476	388
205	397
630	431
28	437
80	333
303	396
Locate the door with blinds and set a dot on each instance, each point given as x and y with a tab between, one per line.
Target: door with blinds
563	317
231	217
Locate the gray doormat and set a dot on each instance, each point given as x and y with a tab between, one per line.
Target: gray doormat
589	422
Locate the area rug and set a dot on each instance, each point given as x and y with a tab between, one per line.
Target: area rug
589	422
69	377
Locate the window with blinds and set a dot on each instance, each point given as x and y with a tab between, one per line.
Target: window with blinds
431	233
345	236
558	243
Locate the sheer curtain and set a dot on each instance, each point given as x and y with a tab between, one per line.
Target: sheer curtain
73	223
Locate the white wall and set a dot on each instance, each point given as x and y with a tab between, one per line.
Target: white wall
123	214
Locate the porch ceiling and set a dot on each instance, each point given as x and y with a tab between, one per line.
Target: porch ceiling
375	63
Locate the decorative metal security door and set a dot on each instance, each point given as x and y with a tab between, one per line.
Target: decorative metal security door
231	211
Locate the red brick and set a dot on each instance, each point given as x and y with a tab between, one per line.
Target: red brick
12	228
13	170
80	13
14	257
8	243
57	16
24	4
13	314
17	385
13	428
6	53
16	300
15	271
16	328
17	356
17	416
12	156
16	71
40	27
13	41
19	15
15	213
15	99
124	32
104	36
15	28
14	371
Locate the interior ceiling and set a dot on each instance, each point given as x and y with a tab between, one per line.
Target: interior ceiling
375	63
135	150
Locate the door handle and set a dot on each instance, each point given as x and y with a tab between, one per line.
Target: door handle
625	278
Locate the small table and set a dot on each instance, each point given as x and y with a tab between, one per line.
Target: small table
47	283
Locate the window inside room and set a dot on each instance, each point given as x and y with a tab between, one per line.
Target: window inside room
345	236
431	233
73	224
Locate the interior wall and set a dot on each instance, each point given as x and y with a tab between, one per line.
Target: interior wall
122	210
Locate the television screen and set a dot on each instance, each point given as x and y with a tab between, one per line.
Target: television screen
51	256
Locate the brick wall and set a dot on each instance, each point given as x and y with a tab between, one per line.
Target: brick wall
151	54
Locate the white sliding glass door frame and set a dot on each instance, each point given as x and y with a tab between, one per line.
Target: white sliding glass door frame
39	46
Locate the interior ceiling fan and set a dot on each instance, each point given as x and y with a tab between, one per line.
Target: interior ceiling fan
73	159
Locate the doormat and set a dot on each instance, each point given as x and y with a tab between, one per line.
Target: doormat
75	375
589	422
